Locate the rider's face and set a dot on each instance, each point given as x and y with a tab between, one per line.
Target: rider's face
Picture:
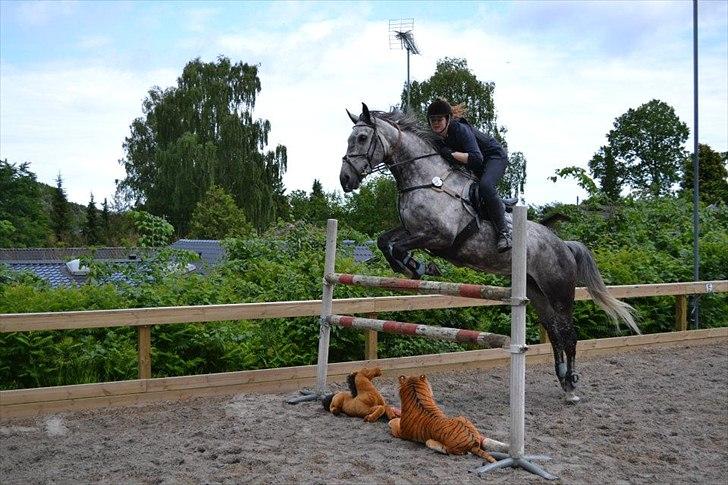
439	124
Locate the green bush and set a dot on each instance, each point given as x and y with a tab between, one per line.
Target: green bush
638	242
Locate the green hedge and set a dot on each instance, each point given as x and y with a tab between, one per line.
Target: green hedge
638	242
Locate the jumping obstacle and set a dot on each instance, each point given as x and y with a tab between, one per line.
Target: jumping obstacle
515	296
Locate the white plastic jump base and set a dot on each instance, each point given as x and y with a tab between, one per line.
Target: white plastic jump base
516	457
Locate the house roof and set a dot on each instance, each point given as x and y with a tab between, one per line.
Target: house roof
362	253
210	251
50	263
66	254
54	272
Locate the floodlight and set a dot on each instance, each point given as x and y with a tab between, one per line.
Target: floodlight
400	34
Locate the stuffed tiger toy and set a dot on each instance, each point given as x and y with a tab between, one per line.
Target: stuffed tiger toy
362	400
423	421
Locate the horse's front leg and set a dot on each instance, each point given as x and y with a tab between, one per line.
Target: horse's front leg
396	245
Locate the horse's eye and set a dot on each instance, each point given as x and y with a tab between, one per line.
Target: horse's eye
362	138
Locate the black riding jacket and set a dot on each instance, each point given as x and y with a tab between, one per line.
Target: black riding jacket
480	147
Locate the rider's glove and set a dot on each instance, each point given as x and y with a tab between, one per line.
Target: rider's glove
446	153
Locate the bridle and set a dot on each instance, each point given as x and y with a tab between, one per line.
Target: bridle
368	169
388	157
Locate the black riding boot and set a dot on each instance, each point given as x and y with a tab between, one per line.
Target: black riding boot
496	213
494	168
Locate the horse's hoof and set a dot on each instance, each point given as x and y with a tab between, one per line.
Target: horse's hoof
571	398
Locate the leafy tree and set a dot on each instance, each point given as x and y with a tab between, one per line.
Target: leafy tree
713	175
199	133
316	207
91	230
514	180
217	217
373	208
454	81
105	222
580	175
23	218
153	231
647	145
610	174
60	213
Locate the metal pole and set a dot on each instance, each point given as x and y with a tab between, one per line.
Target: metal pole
518	333
326	304
515	457
696	170
408	81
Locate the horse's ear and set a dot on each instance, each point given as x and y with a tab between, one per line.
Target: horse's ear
353	118
366	117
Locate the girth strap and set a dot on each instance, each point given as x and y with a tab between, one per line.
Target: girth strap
470	229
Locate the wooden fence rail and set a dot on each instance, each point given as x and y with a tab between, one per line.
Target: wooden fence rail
143	318
29	402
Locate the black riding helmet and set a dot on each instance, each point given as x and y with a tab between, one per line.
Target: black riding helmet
439	107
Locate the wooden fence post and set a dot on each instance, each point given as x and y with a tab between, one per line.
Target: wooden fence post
681	313
144	339
370	341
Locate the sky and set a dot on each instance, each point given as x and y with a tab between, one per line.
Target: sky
73	75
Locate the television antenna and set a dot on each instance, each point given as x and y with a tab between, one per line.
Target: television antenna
401	36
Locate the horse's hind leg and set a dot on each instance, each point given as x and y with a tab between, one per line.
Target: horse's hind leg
560	329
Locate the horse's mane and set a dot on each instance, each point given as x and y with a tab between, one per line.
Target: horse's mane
408	123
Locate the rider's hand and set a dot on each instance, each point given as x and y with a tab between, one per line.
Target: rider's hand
446	153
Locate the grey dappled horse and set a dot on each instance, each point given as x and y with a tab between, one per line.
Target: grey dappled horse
435	209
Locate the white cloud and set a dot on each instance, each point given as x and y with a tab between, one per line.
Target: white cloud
72	120
558	95
557	104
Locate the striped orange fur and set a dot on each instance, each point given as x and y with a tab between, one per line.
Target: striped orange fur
422	420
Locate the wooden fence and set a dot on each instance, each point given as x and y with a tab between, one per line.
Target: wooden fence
144	318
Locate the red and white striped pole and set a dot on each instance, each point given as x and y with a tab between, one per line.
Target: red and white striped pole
484	339
467	290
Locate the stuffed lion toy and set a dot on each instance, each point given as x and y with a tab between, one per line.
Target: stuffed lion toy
363	400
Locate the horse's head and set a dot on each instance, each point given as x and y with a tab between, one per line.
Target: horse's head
366	151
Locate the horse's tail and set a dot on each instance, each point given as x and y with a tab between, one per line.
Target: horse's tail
588	274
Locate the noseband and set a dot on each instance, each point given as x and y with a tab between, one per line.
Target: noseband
369	154
381	166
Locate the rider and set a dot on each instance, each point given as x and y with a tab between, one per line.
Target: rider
483	155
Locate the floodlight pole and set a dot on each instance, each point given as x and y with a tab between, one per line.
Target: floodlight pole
400	31
696	170
408	81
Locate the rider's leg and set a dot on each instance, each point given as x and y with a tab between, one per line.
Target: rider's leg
494	169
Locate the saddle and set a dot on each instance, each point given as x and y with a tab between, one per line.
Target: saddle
474	200
474	224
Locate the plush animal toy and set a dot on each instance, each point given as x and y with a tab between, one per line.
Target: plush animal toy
362	400
422	420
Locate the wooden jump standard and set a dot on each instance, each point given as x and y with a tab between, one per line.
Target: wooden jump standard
516	297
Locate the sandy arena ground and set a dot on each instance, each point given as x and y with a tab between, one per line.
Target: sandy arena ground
653	416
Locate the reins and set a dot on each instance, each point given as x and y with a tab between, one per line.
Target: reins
383	165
